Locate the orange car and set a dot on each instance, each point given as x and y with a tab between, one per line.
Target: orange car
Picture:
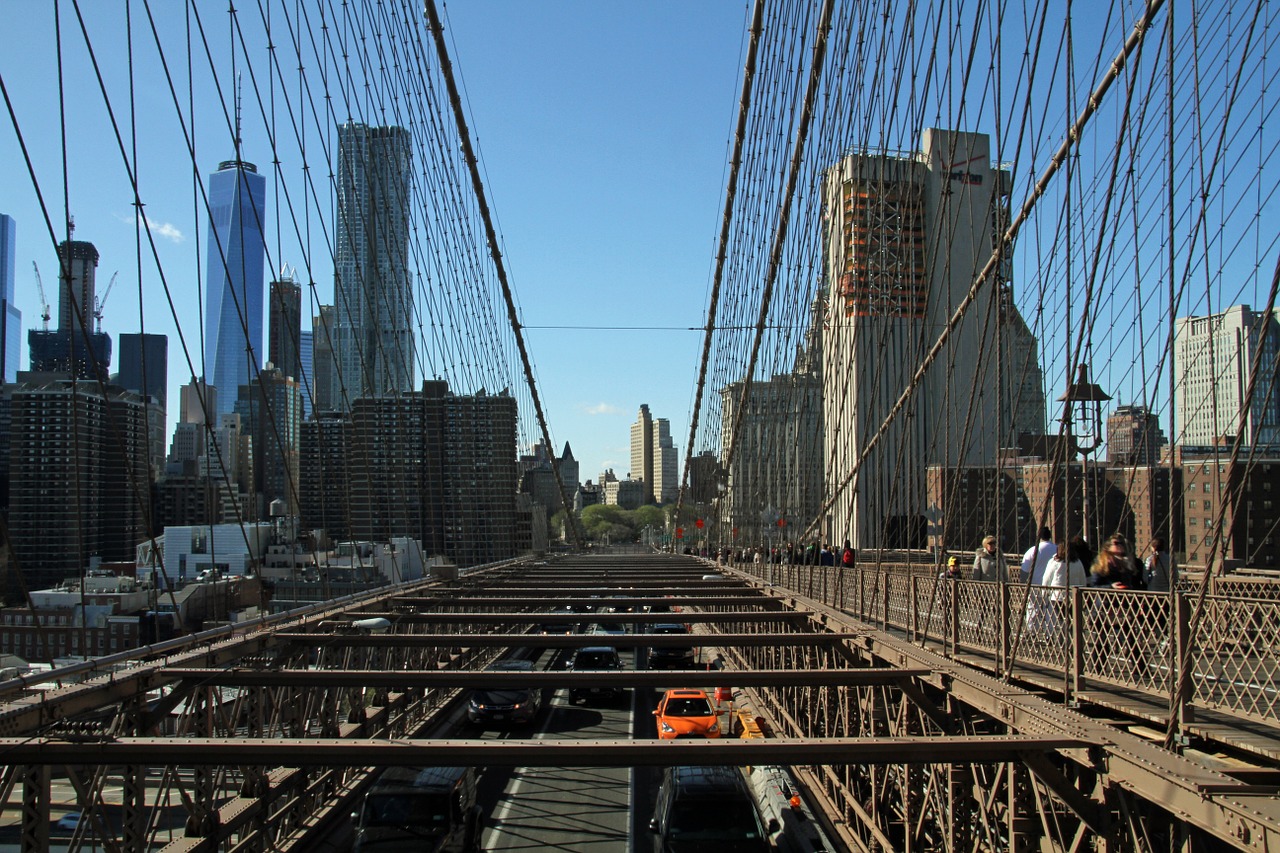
686	713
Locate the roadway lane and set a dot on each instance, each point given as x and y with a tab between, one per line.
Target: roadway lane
573	809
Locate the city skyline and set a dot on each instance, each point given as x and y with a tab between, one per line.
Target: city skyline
564	152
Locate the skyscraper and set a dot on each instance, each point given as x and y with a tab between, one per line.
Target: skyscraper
144	370
270	410
373	299
1134	436
64	350
666	467
285	325
78	484
642	451
10	316
905	238
322	381
233	318
1212	359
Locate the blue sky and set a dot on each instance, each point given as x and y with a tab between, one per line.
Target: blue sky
604	135
603	131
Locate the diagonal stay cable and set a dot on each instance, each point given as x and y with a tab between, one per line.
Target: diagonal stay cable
468	154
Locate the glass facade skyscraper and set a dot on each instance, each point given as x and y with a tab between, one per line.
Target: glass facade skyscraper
233	319
373	299
10	316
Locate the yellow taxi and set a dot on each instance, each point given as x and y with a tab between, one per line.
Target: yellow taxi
686	713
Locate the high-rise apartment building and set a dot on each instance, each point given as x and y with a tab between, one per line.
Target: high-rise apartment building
284	325
1212	358
666	467
10	316
1134	436
322	474
65	350
642	461
144	370
78	484
906	236
236	254
430	465
373	297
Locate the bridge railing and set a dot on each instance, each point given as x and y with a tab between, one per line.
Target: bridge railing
1126	638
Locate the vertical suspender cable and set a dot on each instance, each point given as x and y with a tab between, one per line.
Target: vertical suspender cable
784	218
1074	134
731	191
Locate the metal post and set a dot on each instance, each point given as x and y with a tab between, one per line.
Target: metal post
1075	681
915	609
1003	652
1183	711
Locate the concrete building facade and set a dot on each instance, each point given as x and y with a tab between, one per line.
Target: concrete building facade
906	237
1213	357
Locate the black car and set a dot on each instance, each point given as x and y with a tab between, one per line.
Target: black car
420	808
708	808
670	657
503	705
595	659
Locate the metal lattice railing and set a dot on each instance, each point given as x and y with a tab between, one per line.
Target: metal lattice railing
1127	638
1235	657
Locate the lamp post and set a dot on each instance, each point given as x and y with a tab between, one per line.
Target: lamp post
1085	392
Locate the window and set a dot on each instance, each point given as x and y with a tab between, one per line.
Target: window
1192	539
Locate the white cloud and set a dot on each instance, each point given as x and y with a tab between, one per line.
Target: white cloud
601	409
167	230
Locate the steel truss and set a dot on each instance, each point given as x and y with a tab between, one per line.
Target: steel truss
262	741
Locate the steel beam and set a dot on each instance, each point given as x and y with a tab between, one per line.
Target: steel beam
561	641
562	617
552	598
334	752
542	679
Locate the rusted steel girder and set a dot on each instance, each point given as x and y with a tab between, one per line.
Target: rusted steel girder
551	598
565	618
493	680
539	605
334	752
563	641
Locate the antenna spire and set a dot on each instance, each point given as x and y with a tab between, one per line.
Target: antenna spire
238	88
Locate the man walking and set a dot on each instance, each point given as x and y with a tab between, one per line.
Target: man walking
1037	558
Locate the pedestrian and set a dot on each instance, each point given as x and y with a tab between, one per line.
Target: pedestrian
1157	569
988	562
1037	558
952	571
1114	568
826	557
847	558
1047	600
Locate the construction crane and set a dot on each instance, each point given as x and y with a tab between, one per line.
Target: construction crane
99	302
44	303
